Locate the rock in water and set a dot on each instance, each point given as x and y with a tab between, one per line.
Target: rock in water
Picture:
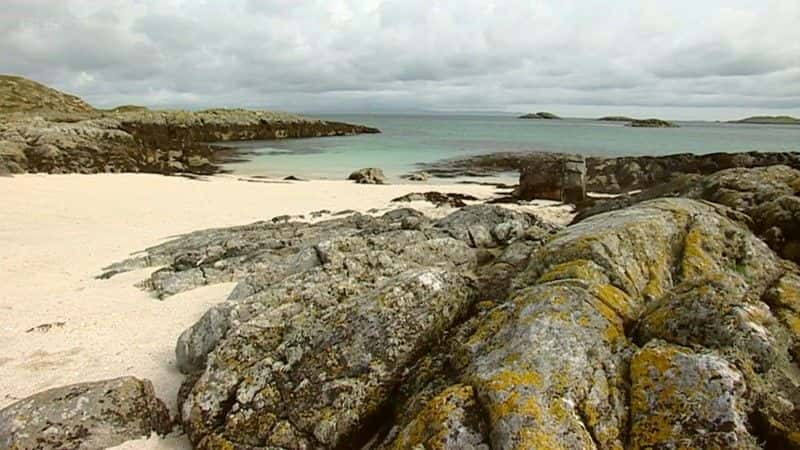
84	416
369	175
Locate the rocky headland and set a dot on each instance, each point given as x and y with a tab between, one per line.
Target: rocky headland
44	130
661	323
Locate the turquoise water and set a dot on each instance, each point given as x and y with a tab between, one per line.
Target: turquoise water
407	140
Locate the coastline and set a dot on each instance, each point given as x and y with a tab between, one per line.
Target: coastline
61	230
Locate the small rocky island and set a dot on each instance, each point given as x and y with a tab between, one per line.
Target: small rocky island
540	115
44	130
651	123
639	123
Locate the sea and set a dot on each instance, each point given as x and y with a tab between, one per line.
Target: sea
407	142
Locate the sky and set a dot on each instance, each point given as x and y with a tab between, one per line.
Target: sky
677	59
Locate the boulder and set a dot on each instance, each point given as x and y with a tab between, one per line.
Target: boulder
84	416
368	176
559	177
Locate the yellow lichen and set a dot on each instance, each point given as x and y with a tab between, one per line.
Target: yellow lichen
580	269
654	406
539	439
433	424
696	261
510	378
615	299
488	327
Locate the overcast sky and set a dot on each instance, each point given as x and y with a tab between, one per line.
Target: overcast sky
674	59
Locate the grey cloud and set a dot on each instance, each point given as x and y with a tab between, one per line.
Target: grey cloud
391	55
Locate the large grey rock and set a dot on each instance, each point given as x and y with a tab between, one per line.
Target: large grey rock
665	324
84	416
576	356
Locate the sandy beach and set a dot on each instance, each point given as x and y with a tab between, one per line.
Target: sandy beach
58	231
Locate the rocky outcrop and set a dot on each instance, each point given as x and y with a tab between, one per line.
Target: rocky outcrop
651	123
145	141
84	416
613	175
369	175
43	130
768	199
664	324
451	199
624	174
339	330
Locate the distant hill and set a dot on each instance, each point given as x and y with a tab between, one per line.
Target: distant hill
19	94
540	115
775	120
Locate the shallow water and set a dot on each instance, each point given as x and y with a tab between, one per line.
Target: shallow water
407	140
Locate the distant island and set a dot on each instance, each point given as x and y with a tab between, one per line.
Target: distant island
540	115
616	119
771	120
651	123
640	123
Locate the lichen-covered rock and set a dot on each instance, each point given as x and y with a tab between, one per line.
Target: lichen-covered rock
327	371
768	199
551	365
84	416
684	399
667	324
450	421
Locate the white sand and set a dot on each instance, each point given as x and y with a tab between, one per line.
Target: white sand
58	231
